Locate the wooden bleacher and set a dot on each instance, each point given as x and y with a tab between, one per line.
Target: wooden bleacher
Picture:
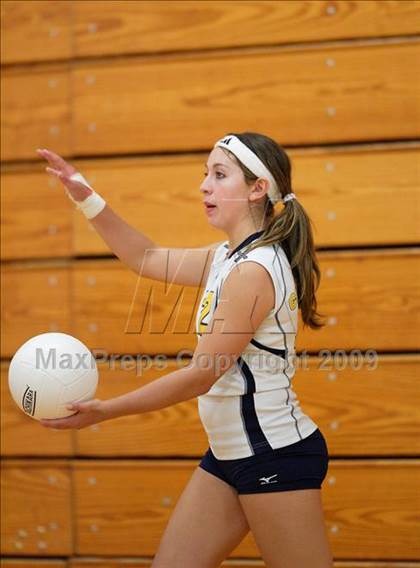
135	95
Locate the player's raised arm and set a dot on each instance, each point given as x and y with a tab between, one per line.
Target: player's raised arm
133	248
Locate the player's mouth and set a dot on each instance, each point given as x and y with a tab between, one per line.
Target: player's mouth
209	206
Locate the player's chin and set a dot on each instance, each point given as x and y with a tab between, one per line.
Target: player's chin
214	219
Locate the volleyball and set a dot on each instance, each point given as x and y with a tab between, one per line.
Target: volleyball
49	371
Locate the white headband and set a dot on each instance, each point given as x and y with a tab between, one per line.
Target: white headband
252	162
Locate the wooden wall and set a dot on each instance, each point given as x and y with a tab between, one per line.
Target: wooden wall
135	94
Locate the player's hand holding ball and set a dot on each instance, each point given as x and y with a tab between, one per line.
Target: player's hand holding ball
87	413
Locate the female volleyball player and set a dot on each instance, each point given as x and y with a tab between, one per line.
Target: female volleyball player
266	459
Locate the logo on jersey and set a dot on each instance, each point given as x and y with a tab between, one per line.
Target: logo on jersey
203	318
292	301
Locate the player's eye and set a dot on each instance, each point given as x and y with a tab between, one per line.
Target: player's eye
217	173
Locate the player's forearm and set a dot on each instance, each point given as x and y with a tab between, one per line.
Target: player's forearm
178	386
128	244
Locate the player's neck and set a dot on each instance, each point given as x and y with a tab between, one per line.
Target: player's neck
240	234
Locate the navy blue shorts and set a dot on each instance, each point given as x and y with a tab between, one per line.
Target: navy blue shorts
302	465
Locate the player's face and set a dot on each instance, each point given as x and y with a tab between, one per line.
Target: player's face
224	187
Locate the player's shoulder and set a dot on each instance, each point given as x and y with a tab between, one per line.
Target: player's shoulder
262	252
264	249
250	268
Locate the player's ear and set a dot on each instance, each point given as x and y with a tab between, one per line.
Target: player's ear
259	189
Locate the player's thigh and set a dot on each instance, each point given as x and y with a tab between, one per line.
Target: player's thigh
206	524
289	528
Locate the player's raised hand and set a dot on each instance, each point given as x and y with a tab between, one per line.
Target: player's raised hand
76	190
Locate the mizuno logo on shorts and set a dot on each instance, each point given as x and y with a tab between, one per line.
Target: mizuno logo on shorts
266	480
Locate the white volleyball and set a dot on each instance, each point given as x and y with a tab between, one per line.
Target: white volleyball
49	371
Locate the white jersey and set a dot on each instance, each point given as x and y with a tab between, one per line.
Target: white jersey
252	408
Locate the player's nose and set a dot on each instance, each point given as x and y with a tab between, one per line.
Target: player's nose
205	186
